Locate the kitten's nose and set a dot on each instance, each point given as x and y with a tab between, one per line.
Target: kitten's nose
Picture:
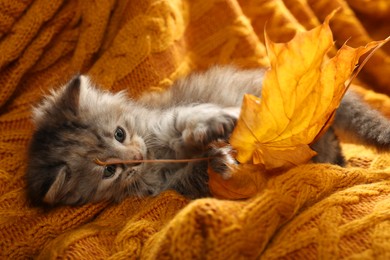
138	157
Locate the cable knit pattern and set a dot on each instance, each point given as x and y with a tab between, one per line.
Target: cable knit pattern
309	212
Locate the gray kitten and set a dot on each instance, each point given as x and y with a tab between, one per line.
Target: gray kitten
80	123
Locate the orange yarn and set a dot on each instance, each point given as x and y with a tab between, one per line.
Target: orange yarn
312	211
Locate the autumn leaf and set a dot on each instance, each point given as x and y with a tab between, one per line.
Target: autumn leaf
299	96
246	182
300	93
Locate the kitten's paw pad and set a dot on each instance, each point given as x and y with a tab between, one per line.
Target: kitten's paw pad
217	127
221	161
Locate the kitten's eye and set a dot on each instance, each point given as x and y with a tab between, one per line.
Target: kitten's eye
120	134
109	171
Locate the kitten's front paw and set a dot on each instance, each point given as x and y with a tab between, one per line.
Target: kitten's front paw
222	160
219	126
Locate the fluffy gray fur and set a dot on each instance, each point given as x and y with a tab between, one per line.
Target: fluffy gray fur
79	123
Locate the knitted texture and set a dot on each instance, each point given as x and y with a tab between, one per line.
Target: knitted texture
311	211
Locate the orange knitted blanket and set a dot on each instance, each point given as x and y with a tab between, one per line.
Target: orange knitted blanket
311	211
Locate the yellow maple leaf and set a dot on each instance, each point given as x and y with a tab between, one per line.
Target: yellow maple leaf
299	96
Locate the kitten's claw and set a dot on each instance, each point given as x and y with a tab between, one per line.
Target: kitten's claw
217	127
222	160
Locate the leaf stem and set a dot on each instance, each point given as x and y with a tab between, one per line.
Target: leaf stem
101	163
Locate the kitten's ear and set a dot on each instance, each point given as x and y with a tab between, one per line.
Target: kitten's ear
57	186
71	97
64	102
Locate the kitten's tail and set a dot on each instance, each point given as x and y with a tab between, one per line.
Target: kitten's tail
362	122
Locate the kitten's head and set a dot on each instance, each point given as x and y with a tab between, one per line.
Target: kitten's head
74	126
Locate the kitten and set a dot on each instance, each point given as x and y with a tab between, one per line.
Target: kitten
80	123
